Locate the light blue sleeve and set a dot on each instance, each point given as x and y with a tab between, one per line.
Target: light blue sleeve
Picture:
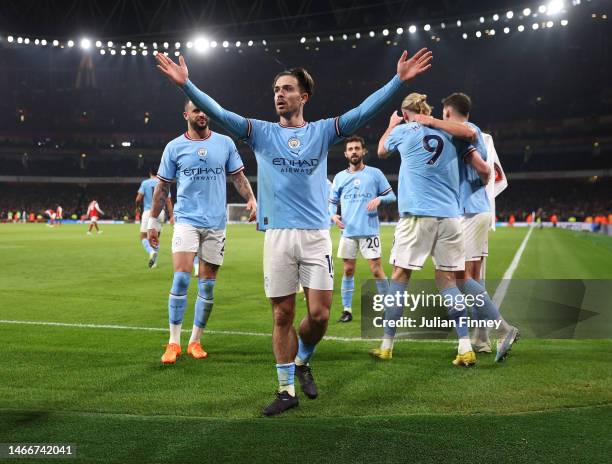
352	120
232	122
334	196
385	192
141	188
234	163
394	139
167	165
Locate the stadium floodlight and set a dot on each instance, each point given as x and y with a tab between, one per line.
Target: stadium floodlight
155	45
526	12
113	52
535	26
465	36
85	43
492	32
126	144
56	43
144	53
358	35
372	34
542	9
318	39
564	22
238	44
399	30
263	42
385	32
26	41
123	52
177	53
506	30
36	41
177	45
550	24
521	28
250	43
189	44
133	52
412	29
427	27
142	45
213	44
10	38
225	44
478	34
98	44
481	19
495	17
443	25
109	44
19	39
459	23
575	2
344	36
510	14
331	38
166	45
128	44
201	44
555	7
43	42
102	52
303	40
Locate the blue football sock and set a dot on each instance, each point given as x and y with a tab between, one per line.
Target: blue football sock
348	286
483	304
285	374
382	286
177	301
146	245
305	352
204	302
454	300
395	311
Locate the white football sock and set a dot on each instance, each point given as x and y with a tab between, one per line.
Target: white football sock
175	333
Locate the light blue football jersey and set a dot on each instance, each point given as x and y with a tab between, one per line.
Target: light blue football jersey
429	170
473	196
354	190
292	191
147	187
200	168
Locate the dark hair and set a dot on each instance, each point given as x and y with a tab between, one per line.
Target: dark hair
354	138
460	102
152	171
185	103
305	80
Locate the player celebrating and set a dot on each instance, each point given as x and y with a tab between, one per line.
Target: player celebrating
52	217
292	170
59	215
145	196
429	208
475	223
359	190
94	212
199	160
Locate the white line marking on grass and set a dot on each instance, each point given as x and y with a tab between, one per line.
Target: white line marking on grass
500	292
215	332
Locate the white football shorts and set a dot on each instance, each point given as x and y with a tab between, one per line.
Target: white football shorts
208	244
476	235
145	219
368	246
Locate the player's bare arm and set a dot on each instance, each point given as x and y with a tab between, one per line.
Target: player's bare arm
170	209
160	195
394	121
456	129
474	159
137	203
243	187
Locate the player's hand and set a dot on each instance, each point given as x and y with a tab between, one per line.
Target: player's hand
408	69
251	207
423	119
373	204
177	73
171	220
153	237
395	120
336	219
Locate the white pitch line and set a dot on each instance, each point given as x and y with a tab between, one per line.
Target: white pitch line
500	292
216	332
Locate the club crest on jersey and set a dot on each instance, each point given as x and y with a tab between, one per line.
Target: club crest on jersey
357	182
294	143
202	152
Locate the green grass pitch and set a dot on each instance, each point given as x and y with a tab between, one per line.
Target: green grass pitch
105	390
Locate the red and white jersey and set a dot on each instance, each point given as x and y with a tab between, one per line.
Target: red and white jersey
94	209
50	213
59	212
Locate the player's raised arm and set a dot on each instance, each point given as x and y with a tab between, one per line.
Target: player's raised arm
407	70
474	159
179	75
456	129
383	150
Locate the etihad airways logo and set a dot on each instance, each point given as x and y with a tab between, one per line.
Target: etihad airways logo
305	166
188	172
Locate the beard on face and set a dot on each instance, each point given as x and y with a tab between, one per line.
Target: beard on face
198	126
355	160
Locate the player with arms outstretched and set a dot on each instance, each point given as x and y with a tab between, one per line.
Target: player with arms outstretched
359	190
94	212
200	160
292	195
145	196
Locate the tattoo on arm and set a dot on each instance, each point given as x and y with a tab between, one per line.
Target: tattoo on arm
242	185
160	194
